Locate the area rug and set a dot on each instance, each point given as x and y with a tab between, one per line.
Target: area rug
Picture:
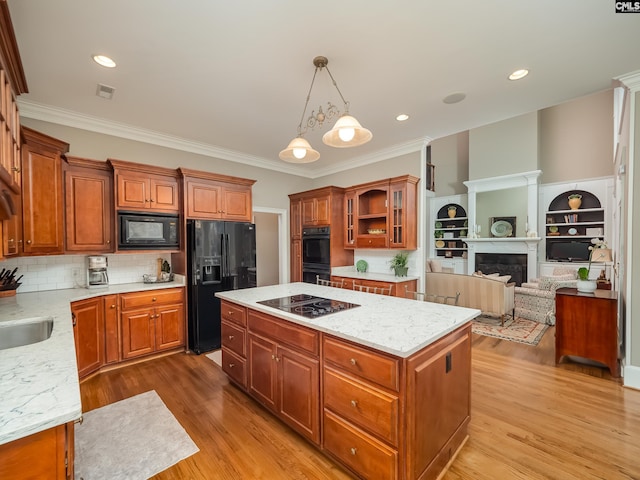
132	439
518	330
215	357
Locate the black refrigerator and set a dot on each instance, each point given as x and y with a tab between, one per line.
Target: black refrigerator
221	256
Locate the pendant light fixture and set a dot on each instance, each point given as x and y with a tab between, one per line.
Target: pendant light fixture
347	131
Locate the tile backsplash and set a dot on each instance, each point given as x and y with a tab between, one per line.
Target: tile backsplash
57	272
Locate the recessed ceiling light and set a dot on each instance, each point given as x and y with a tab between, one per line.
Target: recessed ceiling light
104	61
454	98
518	74
402	117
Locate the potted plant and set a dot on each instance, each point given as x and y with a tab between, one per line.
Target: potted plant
584	284
399	264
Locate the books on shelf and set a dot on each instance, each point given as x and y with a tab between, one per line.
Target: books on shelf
571	218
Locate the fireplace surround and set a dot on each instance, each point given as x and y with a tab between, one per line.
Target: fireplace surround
514	264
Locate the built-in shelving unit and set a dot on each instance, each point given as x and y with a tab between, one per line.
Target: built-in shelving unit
450	231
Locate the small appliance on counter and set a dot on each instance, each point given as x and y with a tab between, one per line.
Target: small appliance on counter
97	271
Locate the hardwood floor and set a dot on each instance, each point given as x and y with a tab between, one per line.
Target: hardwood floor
530	419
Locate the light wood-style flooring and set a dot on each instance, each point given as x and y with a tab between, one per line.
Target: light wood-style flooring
530	419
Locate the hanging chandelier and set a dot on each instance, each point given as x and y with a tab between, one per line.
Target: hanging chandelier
347	131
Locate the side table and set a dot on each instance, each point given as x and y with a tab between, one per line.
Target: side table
587	326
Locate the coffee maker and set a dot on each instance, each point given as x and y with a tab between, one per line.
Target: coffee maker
97	271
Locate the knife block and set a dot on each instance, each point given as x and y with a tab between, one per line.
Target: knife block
7	293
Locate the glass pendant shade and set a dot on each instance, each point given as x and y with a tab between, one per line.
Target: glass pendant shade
299	151
347	132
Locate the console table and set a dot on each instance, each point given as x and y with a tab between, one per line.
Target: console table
587	326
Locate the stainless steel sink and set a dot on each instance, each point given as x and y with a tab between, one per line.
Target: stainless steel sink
21	334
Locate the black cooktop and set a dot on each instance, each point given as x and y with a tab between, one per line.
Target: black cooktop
308	306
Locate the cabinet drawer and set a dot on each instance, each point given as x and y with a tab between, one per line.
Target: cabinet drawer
369	408
367	364
363	453
151	298
234	366
372	242
284	332
233	313
233	338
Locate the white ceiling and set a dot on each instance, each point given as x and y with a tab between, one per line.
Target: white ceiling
229	78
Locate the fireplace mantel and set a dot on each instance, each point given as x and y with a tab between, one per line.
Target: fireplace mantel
528	245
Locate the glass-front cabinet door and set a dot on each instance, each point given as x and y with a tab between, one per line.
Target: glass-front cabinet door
349	216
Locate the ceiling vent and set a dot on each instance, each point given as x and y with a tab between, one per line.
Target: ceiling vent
105	91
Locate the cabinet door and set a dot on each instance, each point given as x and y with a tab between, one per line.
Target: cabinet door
307	206
237	204
299	392
42	201
133	190
204	200
322	209
88	329
169	326
296	260
138	336
397	216
88	205
163	194
349	220
111	330
12	229
262	370
296	219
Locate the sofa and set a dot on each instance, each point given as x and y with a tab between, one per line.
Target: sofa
492	296
536	299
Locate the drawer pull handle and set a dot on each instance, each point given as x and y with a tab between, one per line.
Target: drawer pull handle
230	312
273	357
353	361
231	365
231	337
354	450
113	306
80	420
354	403
153	299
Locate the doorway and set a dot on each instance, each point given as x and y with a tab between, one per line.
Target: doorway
271	245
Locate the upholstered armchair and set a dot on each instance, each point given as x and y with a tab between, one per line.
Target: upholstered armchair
536	299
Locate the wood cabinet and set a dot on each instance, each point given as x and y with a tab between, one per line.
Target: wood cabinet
379	415
382	214
284	371
142	187
319	207
151	321
397	288
111	330
12	229
88	196
89	334
42	201
587	326
210	196
47	454
234	342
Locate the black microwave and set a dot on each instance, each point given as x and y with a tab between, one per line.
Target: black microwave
145	231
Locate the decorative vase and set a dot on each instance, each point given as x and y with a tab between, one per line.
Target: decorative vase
587	286
451	212
401	271
575	202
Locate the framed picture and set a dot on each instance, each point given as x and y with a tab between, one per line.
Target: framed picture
502	226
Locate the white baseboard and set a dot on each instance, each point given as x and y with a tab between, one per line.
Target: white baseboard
631	376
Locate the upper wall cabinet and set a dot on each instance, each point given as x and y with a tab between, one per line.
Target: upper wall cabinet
88	199
209	196
382	214
143	187
42	201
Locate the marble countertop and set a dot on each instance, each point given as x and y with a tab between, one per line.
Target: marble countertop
39	387
398	326
351	272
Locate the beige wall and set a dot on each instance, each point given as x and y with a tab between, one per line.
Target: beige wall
577	137
502	148
510	202
634	248
450	155
270	190
268	254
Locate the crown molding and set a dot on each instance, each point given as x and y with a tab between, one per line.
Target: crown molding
46	113
631	80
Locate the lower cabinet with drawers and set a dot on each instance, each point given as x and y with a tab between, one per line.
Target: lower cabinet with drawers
379	415
398	289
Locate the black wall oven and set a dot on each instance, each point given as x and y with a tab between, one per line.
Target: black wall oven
316	253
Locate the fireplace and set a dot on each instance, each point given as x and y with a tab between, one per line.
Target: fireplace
514	264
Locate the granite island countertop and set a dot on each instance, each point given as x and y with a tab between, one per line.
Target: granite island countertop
39	386
398	326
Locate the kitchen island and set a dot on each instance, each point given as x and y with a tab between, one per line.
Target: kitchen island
381	384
